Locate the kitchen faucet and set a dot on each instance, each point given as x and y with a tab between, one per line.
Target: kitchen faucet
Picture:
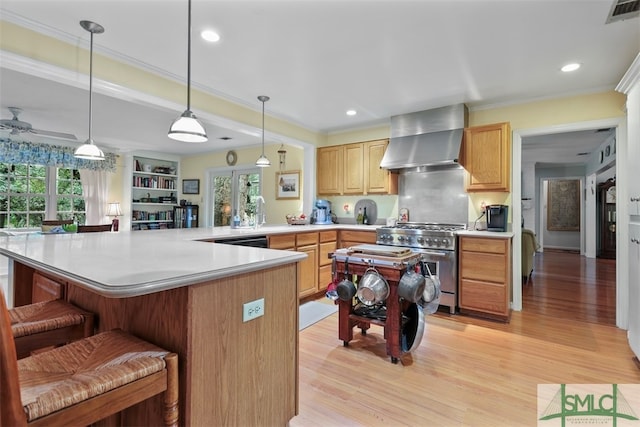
261	216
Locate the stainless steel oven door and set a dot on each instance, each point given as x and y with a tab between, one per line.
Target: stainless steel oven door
444	265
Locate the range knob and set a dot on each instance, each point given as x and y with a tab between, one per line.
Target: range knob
436	241
445	242
385	237
420	240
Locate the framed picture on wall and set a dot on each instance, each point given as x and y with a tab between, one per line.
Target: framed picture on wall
190	186
288	185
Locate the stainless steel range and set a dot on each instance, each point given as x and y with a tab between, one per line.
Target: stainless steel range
438	245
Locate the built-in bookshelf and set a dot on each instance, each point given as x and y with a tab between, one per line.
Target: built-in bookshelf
154	193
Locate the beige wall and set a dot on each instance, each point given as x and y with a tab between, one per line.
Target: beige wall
530	115
195	167
537	114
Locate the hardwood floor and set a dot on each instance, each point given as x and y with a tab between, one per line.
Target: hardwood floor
468	371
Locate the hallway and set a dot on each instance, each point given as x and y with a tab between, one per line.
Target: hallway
568	286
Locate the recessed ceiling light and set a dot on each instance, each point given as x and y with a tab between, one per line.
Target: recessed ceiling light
351	112
210	35
570	67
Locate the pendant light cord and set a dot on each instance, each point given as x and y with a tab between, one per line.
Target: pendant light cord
263	127
90	86
189	61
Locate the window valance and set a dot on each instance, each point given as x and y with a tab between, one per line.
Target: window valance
16	152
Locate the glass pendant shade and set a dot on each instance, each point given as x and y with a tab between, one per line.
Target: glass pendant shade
89	151
187	128
263	162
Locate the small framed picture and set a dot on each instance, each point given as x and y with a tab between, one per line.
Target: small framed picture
288	185
190	186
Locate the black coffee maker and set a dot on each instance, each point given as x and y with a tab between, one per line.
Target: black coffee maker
497	216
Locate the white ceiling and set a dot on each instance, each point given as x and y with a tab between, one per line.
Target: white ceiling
316	59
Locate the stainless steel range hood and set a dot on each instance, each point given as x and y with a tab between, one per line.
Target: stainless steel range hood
426	138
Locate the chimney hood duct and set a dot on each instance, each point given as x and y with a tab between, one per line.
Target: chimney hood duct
426	138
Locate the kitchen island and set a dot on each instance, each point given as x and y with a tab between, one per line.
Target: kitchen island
186	296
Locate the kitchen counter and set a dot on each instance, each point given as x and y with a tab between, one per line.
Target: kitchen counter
484	233
127	264
189	297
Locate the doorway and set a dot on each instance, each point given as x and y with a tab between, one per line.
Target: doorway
232	195
522	168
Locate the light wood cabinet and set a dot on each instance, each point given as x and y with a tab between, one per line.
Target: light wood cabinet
487	157
330	170
485	277
308	271
376	179
45	289
354	169
307	242
328	244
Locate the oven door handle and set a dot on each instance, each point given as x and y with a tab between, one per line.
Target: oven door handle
442	254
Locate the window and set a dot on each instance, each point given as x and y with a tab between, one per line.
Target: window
30	193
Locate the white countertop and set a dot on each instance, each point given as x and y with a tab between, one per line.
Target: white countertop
485	233
132	263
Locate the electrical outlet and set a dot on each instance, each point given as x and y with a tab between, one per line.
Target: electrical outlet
252	310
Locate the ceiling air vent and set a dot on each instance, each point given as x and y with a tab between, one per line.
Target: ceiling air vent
623	9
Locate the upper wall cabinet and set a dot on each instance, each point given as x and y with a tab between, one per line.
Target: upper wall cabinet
329	170
487	157
354	169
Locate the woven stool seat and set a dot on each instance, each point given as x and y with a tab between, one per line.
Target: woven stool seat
48	323
67	375
85	381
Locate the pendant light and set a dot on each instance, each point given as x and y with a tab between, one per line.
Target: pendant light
89	150
187	128
262	161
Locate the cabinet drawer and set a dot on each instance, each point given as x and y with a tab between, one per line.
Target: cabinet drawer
356	236
306	239
480	266
45	289
325	250
328	236
486	245
282	241
483	296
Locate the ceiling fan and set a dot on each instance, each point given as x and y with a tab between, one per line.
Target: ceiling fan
17	126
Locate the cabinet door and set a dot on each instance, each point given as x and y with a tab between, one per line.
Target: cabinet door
487	157
376	179
353	169
329	172
46	289
308	271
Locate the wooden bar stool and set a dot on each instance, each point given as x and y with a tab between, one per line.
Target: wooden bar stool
85	381
48	324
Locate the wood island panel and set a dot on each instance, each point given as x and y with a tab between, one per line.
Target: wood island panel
231	372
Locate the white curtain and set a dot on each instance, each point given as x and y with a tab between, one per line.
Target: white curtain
95	189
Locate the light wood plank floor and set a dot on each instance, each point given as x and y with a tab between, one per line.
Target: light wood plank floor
467	371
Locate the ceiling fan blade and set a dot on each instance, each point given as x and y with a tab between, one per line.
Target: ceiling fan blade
58	135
